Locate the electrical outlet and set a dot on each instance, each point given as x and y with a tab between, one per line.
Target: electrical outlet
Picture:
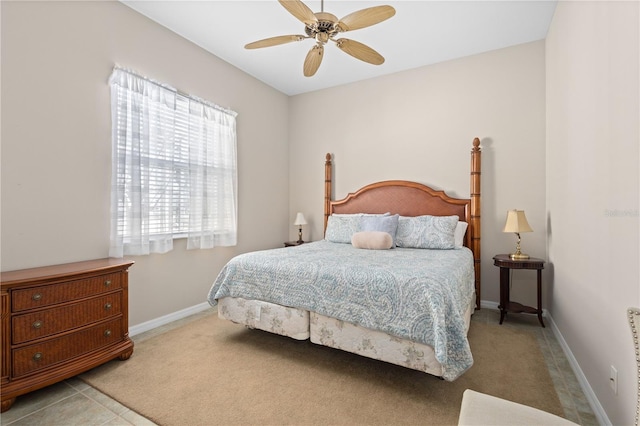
613	380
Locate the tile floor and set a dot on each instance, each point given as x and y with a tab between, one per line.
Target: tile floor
73	402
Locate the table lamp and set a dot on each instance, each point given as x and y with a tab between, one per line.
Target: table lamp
299	222
517	223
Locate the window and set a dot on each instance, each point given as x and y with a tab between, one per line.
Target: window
174	169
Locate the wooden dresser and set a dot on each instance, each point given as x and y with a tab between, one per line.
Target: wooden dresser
59	321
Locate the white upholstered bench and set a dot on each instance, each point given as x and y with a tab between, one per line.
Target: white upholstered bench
479	409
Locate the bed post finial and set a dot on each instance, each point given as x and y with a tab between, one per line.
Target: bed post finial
327	190
476	166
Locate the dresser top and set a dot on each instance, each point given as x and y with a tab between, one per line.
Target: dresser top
57	272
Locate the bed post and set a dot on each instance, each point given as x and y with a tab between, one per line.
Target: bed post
327	190
475	213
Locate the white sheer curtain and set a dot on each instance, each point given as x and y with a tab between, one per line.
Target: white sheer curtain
174	169
212	176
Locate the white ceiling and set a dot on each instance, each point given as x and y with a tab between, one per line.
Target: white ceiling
421	33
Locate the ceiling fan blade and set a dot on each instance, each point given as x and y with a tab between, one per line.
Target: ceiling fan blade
360	51
300	11
274	41
313	60
366	17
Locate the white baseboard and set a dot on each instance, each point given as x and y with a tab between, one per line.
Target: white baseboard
599	412
166	319
487	304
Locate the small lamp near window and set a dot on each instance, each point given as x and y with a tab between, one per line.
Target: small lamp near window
517	223
300	220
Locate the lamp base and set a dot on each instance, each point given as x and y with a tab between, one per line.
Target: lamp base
518	255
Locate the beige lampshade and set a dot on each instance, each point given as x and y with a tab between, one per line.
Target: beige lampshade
300	220
516	222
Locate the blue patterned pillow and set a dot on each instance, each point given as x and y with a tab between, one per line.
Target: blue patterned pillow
429	232
388	224
340	229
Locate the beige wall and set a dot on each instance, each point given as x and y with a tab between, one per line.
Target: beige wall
592	189
56	144
419	125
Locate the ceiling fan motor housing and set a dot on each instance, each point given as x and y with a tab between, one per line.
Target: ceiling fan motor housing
324	29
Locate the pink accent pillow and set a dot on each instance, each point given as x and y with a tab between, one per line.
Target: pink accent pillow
372	240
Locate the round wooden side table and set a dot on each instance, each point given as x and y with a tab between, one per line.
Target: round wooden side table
505	263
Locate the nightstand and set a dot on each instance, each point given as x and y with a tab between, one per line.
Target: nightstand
293	243
505	263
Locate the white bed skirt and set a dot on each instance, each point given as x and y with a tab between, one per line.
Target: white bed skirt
353	338
300	324
290	322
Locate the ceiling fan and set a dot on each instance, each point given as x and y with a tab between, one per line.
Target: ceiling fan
324	27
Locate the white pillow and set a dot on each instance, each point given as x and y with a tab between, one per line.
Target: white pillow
458	234
372	240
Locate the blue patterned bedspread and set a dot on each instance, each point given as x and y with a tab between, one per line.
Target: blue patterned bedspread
415	294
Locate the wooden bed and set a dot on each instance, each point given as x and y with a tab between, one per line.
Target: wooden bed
414	199
404	198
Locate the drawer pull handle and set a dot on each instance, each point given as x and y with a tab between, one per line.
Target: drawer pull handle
107	283
37	356
36	297
37	324
107	306
107	333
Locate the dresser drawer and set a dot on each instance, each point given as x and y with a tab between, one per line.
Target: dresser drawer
42	355
37	297
31	326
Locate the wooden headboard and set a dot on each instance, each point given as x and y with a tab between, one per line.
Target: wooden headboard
415	199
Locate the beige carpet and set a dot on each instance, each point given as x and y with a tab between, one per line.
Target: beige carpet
212	372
